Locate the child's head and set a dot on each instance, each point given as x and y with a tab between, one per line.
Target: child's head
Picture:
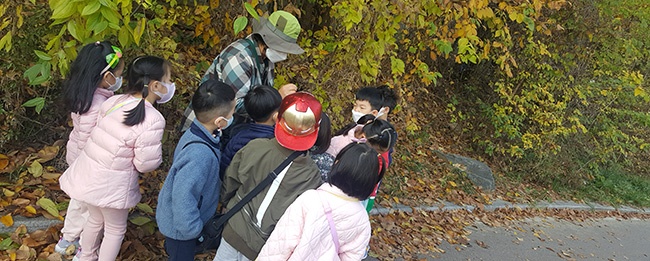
214	104
380	134
98	65
150	77
262	103
357	169
378	101
298	121
324	135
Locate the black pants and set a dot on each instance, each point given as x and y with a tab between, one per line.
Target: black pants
180	250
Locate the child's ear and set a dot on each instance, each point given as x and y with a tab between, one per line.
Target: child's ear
275	117
106	79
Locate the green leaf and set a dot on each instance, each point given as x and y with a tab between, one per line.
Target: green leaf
64	10
251	10
396	66
34	102
239	24
6	243
443	46
91	8
111	15
145	208
140	220
32	72
42	55
36	169
48	205
139	30
124	36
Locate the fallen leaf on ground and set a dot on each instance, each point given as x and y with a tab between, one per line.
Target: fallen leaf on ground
7	220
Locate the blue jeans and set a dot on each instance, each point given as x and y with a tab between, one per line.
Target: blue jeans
180	250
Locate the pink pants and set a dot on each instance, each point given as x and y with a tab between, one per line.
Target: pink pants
113	222
75	218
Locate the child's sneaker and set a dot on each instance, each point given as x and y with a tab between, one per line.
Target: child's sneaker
66	247
77	256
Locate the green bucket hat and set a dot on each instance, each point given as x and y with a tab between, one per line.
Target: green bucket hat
279	31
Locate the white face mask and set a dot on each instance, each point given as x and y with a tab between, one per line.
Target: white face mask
381	112
356	116
275	56
171	88
115	86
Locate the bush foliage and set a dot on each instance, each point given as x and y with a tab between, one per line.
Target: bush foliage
549	89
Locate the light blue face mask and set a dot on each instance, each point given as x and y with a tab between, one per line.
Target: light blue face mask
230	121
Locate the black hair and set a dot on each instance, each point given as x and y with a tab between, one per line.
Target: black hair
378	97
141	71
363	120
258	39
357	169
261	102
212	98
85	76
324	135
380	134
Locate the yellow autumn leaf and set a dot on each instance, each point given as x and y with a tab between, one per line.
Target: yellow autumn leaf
36	169
7	220
12	256
30	209
48	205
4	161
8	193
453	184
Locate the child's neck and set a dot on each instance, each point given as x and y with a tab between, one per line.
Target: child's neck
209	126
270	122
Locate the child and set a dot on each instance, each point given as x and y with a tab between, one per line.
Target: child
94	75
190	194
378	101
323	160
262	104
125	143
329	223
296	130
381	136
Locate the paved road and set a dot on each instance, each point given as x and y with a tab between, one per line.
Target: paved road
549	239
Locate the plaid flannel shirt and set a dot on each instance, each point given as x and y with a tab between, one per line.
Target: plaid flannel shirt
240	65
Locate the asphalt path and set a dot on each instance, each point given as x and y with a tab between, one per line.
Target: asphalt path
551	239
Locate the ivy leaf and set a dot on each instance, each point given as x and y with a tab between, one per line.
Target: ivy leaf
239	24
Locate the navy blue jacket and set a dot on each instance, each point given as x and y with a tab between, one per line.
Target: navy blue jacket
241	138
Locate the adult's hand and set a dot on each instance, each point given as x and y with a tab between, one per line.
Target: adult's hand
287	89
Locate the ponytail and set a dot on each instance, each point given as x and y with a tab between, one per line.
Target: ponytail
363	120
380	134
85	76
141	71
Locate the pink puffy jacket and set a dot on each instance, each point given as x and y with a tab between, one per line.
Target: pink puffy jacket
83	124
303	232
106	172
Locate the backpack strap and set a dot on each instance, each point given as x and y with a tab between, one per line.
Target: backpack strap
206	144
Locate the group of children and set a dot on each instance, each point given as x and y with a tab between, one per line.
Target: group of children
316	208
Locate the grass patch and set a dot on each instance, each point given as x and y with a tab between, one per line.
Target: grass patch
617	187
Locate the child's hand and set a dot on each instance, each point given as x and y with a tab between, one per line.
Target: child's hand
287	89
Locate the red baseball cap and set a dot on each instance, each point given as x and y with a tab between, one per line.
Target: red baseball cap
298	121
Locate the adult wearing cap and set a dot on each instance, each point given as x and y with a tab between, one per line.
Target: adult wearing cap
296	130
250	62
